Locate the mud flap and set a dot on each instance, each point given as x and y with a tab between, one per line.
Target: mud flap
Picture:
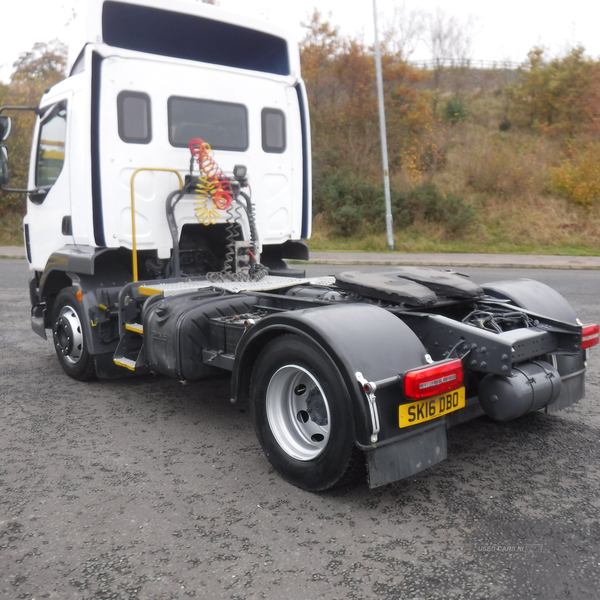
38	319
420	450
572	373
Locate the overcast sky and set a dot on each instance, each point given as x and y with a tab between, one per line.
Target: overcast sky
504	30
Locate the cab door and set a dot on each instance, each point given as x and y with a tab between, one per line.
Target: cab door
47	223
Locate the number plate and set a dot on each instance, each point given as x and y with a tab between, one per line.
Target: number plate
431	408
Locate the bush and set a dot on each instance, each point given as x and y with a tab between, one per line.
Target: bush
505	125
350	205
427	204
578	178
455	110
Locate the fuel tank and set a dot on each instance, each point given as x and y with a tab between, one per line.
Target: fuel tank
532	386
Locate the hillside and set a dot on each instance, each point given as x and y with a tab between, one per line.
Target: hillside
483	157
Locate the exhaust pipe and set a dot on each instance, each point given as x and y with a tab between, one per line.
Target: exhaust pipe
532	385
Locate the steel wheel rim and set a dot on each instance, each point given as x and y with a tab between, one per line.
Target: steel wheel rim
298	412
68	335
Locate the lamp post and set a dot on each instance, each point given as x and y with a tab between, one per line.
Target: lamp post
389	225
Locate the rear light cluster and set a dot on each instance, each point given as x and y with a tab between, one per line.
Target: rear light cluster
432	380
589	335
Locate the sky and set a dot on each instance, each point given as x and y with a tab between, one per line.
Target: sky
503	31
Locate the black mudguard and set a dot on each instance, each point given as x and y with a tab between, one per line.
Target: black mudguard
534	296
358	338
540	298
70	259
90	270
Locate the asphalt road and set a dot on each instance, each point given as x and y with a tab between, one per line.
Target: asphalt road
146	488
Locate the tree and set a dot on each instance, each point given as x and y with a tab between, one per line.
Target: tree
340	79
318	51
450	43
404	31
45	63
561	95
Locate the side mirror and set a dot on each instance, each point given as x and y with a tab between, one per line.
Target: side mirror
5	125
4	177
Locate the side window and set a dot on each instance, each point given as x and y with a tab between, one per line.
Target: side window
51	145
223	125
135	123
273	130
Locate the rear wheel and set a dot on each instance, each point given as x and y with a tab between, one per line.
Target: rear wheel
302	415
69	338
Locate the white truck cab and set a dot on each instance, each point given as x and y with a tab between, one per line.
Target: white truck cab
112	140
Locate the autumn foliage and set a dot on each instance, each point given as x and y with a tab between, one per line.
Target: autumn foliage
34	71
561	95
560	98
340	78
455	152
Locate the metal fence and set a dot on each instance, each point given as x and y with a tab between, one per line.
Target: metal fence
464	63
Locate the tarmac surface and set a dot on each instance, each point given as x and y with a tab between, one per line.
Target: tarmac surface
146	489
536	261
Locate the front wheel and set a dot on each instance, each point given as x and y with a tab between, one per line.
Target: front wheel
69	338
303	416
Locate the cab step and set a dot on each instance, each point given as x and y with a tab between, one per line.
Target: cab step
130	351
125	362
135	327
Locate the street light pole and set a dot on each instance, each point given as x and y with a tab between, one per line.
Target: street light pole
389	225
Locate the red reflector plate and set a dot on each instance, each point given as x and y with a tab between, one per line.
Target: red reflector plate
432	408
589	336
432	380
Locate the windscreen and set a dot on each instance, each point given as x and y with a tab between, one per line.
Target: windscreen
178	35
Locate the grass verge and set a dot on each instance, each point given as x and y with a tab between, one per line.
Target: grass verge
10	230
420	245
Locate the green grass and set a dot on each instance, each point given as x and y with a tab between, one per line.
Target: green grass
418	245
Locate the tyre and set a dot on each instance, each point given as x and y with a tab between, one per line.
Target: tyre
302	415
69	337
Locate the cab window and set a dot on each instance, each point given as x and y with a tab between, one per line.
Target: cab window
223	125
273	130
51	145
134	116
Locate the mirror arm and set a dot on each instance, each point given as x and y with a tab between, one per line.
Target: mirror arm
35	109
20	191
